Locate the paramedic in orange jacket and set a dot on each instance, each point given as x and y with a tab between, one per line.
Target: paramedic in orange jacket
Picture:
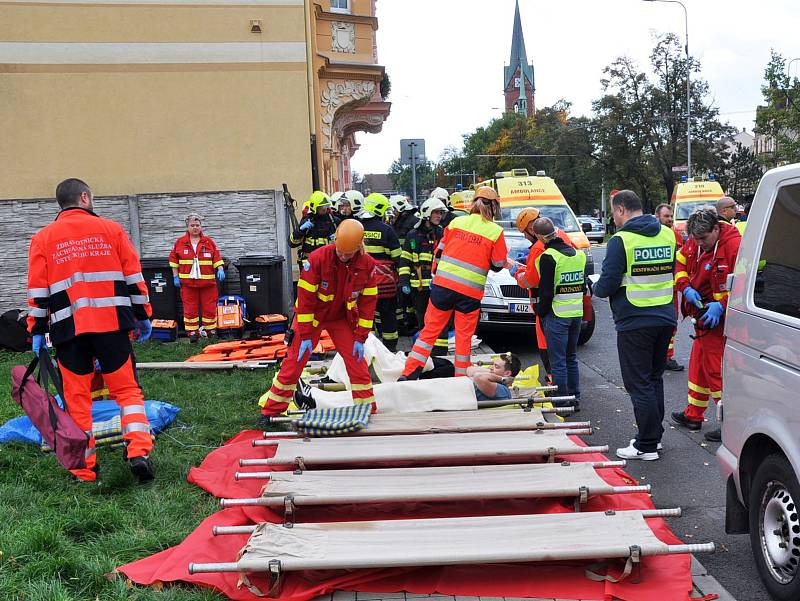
701	272
85	287
337	292
196	265
527	276
472	245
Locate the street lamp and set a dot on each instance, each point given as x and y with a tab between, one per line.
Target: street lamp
688	88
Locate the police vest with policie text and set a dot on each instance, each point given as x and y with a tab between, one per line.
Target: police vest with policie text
649	279
568	280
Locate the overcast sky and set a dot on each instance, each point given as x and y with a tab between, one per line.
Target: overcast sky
445	58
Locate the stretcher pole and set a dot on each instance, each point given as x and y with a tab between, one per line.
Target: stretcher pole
527	401
207	365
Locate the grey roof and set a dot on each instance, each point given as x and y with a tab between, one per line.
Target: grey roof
519	58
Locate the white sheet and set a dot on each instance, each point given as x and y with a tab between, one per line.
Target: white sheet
422	448
441	394
387	365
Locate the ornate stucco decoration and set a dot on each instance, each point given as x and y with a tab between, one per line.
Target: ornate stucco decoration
343	37
335	95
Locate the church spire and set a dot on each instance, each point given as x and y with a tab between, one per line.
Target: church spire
519	73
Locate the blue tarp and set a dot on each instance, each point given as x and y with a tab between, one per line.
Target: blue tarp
159	413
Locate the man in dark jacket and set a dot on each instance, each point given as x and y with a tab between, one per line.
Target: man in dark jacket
560	307
638	276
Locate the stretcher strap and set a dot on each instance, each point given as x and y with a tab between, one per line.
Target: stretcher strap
633	560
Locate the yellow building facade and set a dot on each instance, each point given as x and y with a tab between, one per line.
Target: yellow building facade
164	96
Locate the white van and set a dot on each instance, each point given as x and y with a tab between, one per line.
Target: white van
760	452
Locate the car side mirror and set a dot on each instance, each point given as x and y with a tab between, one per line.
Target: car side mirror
586	227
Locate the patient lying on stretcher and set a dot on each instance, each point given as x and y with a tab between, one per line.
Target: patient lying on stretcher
436	390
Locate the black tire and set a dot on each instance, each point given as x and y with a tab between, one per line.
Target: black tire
587	329
774	521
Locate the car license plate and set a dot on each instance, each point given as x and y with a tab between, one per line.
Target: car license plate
520	307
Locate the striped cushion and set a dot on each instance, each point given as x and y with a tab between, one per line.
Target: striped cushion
330	422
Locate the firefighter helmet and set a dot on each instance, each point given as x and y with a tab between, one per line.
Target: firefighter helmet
441	194
377	204
431	205
318	200
399	203
336	200
356	199
349	236
525	217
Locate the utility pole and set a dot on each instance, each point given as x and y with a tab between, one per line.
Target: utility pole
413	145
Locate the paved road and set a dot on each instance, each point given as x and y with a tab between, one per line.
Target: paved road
686	476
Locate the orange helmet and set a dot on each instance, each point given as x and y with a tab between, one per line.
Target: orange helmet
525	217
486	193
349	236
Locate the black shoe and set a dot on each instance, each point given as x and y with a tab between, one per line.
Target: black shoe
713	435
142	468
302	396
193	338
264	422
679	419
673	365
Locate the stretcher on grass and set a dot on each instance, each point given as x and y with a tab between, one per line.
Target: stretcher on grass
436	422
590	536
504	447
288	490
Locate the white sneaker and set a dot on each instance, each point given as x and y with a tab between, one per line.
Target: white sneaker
660	446
631	452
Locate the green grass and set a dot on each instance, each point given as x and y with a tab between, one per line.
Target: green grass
59	538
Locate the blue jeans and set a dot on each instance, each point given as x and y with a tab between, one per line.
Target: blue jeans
562	347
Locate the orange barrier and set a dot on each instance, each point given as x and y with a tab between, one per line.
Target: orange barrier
267	347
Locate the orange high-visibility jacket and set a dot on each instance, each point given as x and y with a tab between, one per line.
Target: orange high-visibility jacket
182	257
84	277
527	276
330	290
471	246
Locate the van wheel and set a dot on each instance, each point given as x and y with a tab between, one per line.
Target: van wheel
775	527
587	329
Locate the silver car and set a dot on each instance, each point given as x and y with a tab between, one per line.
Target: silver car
760	452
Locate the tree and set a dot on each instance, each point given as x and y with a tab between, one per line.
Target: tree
741	174
780	118
640	123
400	175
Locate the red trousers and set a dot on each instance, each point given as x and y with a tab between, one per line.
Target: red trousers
199	301
450	303
285	381
76	364
705	371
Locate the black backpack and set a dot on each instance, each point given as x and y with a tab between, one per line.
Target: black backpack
13	331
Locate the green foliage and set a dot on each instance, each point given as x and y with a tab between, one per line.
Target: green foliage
780	117
386	86
401	177
741	174
59	539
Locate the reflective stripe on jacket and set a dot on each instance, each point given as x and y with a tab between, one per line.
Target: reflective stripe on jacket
183	255
321	232
568	282
648	280
330	290
84	276
416	259
470	247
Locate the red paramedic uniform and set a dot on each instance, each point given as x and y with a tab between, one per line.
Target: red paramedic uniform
340	298
706	272
85	287
199	295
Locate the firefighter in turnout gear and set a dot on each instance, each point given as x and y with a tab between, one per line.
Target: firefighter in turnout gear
702	268
381	244
337	292
316	229
341	207
444	196
416	263
405	219
356	199
85	287
472	245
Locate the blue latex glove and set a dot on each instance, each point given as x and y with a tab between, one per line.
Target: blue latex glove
522	257
37	343
358	351
513	269
221	274
406	289
306	226
176	279
97	365
305	347
143	329
693	296
713	314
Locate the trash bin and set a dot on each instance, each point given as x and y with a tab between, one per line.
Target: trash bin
261	280
163	294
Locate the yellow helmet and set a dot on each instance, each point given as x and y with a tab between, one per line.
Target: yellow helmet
318	200
377	204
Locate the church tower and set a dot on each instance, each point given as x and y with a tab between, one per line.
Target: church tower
518	84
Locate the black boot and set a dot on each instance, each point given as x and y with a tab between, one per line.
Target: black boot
713	435
142	467
680	419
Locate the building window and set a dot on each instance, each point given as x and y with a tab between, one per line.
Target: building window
340	6
778	278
